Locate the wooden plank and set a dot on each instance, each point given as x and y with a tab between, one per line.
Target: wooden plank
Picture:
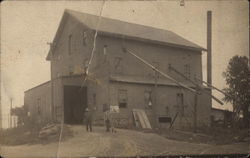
173	120
136	119
142	118
145	118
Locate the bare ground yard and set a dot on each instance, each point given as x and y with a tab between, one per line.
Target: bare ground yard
123	143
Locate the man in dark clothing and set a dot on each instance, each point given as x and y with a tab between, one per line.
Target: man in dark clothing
107	120
88	119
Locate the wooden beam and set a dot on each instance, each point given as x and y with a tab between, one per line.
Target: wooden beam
160	72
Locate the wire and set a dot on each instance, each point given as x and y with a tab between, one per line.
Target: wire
94	45
87	70
60	138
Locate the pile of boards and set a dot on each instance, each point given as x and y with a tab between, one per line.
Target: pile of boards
141	119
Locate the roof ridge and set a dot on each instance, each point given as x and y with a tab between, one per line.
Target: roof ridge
174	38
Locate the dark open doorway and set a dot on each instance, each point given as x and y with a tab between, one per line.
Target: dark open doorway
75	101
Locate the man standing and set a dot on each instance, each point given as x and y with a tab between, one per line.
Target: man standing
107	120
88	119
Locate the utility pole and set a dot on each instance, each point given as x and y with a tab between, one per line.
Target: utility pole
11	112
52	82
155	92
195	108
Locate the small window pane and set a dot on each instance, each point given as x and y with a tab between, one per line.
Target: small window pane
118	68
122	98
84	38
70	44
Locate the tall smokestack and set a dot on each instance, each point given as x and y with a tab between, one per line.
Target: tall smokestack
209	47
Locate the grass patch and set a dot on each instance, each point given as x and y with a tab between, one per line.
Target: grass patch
25	135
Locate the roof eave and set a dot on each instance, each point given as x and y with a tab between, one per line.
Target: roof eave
151	41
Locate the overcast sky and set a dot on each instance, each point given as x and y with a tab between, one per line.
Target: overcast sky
27	26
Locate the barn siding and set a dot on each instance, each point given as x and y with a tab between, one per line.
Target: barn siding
103	66
31	97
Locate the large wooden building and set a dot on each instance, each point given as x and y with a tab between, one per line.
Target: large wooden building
117	78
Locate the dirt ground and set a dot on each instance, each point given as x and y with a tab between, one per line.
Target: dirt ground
123	143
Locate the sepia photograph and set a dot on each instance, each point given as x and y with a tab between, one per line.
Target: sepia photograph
113	78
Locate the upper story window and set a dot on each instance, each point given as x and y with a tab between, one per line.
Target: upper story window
157	66
122	98
118	65
70	44
58	74
39	111
84	38
105	47
58	58
187	70
179	98
71	71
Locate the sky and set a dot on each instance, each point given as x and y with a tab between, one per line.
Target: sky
27	27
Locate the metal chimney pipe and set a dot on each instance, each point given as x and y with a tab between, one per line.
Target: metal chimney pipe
209	47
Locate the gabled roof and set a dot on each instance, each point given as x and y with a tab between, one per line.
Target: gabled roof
113	27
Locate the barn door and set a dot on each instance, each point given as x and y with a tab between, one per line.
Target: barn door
75	101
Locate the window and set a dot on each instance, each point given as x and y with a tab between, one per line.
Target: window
58	74
70	44
84	38
105	107
169	67
39	106
187	70
118	65
164	119
157	66
105	49
167	110
122	98
180	103
58	58
94	99
148	98
71	71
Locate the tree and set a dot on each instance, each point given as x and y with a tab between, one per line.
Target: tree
21	113
237	76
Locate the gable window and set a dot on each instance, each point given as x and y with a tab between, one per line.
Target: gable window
122	98
84	38
39	111
187	70
70	44
58	57
118	65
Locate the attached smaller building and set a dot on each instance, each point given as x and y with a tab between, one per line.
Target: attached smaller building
221	117
38	101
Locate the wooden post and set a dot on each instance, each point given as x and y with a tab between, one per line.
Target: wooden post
11	112
155	97
209	47
195	109
52	83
